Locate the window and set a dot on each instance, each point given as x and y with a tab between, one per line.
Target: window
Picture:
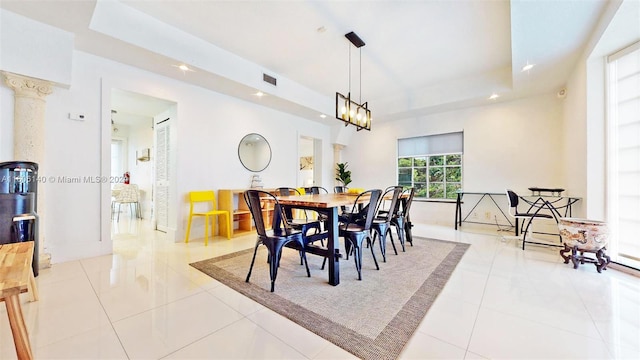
623	151
432	164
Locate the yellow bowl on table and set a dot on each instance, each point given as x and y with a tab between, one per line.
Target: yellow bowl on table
355	191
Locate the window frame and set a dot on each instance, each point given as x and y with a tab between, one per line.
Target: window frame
425	166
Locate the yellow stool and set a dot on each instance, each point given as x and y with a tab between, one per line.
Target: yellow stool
206	197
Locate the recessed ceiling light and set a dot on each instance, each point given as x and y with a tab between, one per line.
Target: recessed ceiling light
259	94
528	67
323	116
183	67
494	96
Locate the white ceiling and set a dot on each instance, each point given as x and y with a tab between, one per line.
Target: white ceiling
420	57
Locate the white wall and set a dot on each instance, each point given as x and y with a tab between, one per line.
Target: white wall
210	126
512	145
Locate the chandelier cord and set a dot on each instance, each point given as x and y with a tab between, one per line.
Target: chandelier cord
349	70
360	100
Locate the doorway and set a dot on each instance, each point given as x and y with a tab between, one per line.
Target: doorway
133	159
310	162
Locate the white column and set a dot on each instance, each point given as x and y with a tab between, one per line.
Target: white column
28	116
28	134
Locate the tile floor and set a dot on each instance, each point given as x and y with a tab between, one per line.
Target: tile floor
146	302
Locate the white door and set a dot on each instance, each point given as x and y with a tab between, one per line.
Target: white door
162	137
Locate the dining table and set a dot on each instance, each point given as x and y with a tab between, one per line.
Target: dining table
328	205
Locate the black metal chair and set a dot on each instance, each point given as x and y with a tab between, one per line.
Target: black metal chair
276	238
340	189
400	219
304	225
318	190
406	211
355	234
514	200
382	223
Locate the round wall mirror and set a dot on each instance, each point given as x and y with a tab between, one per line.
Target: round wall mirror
254	152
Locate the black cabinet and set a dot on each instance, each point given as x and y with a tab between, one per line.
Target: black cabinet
18	204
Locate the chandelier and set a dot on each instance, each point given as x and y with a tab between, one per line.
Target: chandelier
347	110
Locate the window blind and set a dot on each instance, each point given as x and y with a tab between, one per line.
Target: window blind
450	143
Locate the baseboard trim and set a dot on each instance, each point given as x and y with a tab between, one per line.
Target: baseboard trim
625	269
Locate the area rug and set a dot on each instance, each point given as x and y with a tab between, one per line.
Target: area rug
373	318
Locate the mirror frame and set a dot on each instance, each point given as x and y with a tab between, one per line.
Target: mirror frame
268	147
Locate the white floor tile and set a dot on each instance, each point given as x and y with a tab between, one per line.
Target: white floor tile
144	288
235	300
99	343
503	336
240	340
165	329
451	320
145	301
423	346
301	339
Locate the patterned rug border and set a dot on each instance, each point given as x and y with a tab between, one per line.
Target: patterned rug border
390	342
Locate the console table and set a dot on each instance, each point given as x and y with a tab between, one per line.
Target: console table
558	206
483	196
232	200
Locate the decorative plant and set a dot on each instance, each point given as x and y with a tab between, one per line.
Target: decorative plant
342	174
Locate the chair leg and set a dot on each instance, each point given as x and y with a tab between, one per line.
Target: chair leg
253	260
407	231
372	253
206	230
274	255
306	265
186	239
392	242
357	259
228	218
524	233
400	231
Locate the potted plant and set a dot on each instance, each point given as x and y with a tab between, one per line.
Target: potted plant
342	174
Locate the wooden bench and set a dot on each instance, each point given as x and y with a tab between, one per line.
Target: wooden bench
16	277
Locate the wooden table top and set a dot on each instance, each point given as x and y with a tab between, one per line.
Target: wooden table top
321	200
15	267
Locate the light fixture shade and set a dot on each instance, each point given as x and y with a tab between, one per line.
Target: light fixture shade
350	112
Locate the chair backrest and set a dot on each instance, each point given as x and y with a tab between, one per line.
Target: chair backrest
407	203
512	197
340	189
318	190
393	192
127	194
287	191
374	196
207	196
254	199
